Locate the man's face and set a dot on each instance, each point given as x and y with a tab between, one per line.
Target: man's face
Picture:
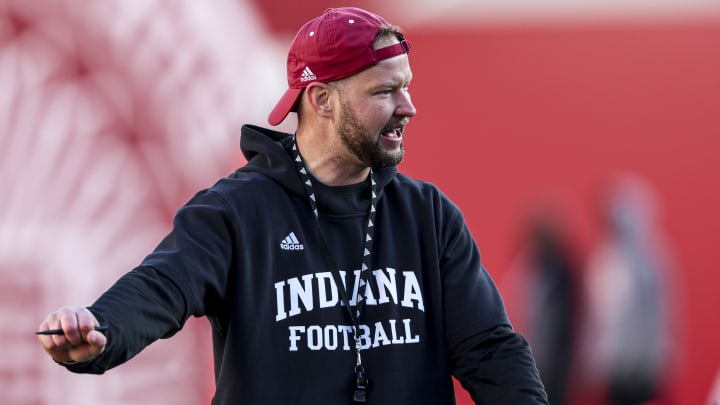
375	108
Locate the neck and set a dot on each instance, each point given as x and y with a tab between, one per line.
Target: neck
327	162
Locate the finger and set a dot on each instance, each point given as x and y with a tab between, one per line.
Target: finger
69	324
96	342
60	353
52	343
61	350
85	351
48	344
94	345
54	347
86	322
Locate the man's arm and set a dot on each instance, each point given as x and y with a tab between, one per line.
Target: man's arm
496	367
180	278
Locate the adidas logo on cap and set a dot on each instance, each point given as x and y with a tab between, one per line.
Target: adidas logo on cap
291	242
307	75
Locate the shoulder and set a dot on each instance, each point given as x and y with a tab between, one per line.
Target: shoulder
241	182
420	190
424	199
406	184
239	190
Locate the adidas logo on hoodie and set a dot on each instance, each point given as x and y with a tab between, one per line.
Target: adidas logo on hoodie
291	242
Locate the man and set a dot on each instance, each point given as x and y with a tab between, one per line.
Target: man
327	277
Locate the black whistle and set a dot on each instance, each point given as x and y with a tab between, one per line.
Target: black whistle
361	388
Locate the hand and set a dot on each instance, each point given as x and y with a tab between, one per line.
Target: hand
80	342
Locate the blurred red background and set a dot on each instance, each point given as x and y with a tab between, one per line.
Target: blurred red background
510	111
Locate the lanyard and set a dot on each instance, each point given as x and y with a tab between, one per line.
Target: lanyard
361	381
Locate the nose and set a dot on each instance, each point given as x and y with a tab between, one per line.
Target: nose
405	107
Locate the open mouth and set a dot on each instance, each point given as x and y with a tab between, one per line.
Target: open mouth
394	133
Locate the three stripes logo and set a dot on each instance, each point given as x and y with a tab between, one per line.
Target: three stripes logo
307	75
291	242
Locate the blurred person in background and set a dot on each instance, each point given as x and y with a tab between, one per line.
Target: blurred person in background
327	276
541	296
627	349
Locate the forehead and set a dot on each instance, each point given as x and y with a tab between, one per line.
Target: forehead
392	71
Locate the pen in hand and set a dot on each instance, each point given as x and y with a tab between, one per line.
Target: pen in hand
100	328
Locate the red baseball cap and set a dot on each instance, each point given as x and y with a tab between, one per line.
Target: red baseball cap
333	46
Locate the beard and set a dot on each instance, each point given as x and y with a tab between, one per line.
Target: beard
366	145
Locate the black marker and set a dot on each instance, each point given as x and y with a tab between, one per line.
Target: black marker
101	328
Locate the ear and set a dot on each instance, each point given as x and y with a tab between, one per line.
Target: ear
319	98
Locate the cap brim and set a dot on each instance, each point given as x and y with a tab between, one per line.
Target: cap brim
284	106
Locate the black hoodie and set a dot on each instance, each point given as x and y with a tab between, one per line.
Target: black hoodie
245	253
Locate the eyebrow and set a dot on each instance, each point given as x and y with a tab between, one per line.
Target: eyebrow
392	84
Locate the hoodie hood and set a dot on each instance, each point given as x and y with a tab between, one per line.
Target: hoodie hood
268	152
